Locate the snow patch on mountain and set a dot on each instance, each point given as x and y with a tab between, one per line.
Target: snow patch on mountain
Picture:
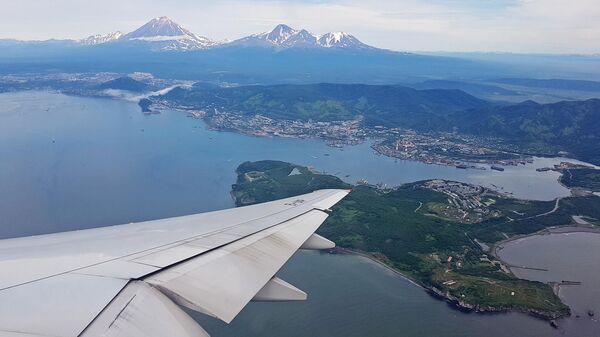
160	38
341	40
101	38
279	34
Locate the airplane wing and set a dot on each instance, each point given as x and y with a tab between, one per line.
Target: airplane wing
131	280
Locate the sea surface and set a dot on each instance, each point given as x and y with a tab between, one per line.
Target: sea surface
569	255
75	162
71	163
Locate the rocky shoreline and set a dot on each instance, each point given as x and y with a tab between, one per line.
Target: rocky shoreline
468	307
452	300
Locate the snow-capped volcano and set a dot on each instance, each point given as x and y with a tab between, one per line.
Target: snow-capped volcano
284	36
168	35
165	34
159	33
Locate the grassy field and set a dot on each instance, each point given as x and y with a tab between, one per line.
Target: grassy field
436	252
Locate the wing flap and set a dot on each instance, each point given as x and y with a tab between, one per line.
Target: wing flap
222	282
279	290
317	242
142	311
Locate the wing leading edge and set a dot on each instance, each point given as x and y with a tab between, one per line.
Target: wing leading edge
216	270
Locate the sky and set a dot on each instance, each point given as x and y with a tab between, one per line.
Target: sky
520	26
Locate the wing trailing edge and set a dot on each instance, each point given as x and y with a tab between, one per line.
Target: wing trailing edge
222	282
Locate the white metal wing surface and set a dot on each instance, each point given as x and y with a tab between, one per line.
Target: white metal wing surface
130	280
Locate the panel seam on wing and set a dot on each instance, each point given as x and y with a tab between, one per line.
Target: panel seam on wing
172	243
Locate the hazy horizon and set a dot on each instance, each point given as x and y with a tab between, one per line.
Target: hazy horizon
511	26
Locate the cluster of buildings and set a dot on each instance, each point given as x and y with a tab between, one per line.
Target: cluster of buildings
336	133
461	151
466	203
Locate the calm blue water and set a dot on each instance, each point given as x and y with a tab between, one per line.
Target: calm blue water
71	163
571	256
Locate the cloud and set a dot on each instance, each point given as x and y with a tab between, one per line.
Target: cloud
452	25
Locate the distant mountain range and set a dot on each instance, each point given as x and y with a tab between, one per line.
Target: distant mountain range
283	55
284	36
165	34
557	84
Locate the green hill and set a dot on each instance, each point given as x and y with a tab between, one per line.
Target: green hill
395	227
571	126
387	105
125	83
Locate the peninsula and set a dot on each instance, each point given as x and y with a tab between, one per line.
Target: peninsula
437	233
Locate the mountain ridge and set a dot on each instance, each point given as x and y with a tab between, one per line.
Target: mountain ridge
284	36
164	34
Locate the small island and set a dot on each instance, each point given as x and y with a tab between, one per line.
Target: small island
438	233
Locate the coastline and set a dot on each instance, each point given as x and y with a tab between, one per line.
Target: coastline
458	300
382	262
436	292
451	300
155	107
336	143
570	228
342	250
566	229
